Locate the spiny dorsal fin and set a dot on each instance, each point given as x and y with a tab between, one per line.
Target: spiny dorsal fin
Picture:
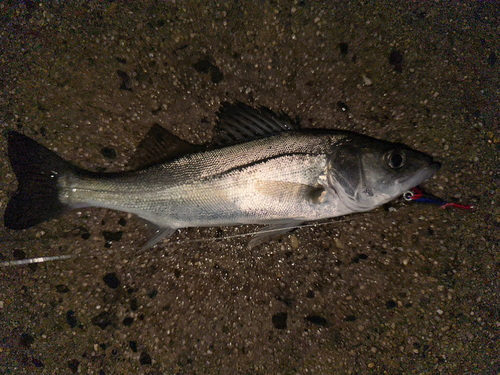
239	122
159	145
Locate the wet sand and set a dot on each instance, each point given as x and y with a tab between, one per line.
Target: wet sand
405	289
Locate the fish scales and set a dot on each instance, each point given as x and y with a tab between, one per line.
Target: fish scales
217	187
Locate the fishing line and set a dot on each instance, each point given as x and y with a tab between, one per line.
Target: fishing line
416	194
22	262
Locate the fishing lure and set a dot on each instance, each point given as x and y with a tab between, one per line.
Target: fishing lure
419	195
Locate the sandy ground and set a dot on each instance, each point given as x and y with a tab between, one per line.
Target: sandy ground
405	289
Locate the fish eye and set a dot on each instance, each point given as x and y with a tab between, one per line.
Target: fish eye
395	159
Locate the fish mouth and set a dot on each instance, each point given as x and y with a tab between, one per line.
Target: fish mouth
421	176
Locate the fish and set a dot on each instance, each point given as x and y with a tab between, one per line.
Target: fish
261	168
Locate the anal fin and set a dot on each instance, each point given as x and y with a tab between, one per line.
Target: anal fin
156	234
272	231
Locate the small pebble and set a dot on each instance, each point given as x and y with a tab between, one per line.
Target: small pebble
111	280
108	153
133	346
104	319
279	320
71	318
145	359
340	245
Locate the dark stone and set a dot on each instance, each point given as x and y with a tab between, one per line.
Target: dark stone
310	294
350	318
145	359
111	280
359	257
19	255
343	107
205	66
134	305
103	346
26	340
37	363
391	304
153	294
126	83
108	152
110	237
127	322
181	48
122	222
217	75
279	320
177	273
71	318
133	345
104	319
344	48
121	60
316	319
61	288
492	59
73	365
85	236
396	60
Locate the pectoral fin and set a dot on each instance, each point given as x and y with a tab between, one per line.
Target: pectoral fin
284	190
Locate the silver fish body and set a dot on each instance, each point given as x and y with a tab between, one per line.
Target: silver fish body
283	178
257	182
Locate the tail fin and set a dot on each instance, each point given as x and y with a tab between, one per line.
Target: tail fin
37	170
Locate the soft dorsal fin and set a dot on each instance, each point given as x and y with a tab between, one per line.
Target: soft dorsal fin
239	122
159	145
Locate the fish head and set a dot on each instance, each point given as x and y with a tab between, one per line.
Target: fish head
366	173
